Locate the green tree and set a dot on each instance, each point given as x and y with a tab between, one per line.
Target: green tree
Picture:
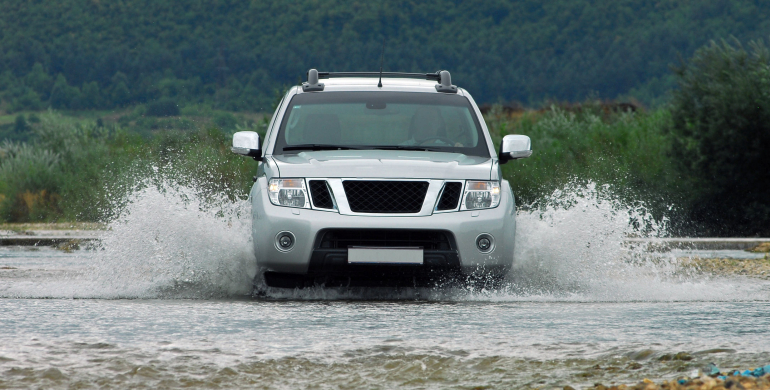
39	80
120	93
721	129
26	99
526	50
20	124
91	97
64	95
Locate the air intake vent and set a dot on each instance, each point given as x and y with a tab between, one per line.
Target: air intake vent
319	192
450	196
426	239
396	197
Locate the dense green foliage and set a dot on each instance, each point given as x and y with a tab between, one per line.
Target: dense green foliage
627	150
78	171
75	170
700	161
721	132
234	55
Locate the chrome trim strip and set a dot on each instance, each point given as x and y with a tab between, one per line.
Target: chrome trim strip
310	195
459	200
338	193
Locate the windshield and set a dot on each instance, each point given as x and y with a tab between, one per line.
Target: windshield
380	120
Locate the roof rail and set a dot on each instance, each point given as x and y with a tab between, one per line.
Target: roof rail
421	76
312	83
442	76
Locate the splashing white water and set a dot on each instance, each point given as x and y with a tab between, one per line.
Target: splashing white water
169	242
173	242
571	245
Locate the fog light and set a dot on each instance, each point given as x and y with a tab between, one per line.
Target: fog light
485	243
284	241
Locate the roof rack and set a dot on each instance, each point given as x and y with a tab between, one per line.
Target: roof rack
442	76
420	76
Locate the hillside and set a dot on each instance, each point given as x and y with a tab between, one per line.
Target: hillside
236	55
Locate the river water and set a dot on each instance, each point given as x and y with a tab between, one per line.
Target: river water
165	301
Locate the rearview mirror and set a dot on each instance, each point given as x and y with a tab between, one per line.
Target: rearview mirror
246	143
514	147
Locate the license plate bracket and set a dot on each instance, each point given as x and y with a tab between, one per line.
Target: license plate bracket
385	255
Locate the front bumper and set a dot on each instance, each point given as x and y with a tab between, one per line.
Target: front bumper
307	258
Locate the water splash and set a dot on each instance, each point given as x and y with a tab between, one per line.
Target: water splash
172	241
168	241
572	245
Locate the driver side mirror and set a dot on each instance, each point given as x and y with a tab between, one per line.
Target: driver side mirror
246	143
514	147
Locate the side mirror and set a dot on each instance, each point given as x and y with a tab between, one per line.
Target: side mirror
246	143
514	147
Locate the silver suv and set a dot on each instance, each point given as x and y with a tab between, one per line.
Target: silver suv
380	179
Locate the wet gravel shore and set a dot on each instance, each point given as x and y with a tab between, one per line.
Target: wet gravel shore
758	268
702	383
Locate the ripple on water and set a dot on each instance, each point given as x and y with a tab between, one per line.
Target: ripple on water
579	308
395	370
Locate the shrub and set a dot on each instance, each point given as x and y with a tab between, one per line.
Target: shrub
20	125
29	178
721	136
162	107
627	151
225	120
75	170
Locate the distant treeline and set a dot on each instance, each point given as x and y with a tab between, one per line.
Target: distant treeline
238	55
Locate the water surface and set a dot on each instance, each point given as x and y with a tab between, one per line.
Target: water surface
165	302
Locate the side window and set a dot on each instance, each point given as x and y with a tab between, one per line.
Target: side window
270	128
292	134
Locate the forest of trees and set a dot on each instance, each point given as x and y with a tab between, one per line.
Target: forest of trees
138	85
237	55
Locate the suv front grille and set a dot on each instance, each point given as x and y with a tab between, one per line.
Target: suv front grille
385	196
450	196
426	239
319	192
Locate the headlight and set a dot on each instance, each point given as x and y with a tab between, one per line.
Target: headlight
288	192
481	195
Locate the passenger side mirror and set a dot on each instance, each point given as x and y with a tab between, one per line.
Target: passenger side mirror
246	143
514	147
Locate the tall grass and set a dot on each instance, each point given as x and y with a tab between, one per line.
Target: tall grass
80	171
625	151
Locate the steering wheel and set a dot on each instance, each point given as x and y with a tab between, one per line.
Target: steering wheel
437	138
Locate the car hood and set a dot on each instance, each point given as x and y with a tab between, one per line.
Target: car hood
384	164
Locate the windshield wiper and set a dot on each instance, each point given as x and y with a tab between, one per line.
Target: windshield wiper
319	147
405	147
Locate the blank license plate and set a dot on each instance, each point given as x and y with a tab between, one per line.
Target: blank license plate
389	255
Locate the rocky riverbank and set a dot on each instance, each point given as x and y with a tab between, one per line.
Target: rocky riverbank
732	382
756	267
